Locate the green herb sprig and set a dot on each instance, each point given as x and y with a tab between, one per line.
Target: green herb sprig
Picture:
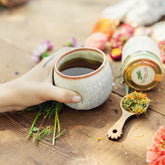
47	110
43	133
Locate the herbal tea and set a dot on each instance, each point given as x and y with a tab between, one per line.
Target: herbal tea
79	66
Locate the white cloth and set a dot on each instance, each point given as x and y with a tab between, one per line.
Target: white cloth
136	12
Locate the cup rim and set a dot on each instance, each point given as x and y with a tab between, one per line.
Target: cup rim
85	75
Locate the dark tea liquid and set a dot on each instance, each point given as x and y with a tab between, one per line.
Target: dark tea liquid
79	66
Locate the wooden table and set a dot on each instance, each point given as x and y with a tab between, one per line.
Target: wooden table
22	29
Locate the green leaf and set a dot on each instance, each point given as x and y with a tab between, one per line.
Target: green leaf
33	124
35	129
69	43
127	89
44	55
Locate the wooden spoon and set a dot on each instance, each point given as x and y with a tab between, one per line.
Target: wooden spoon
115	131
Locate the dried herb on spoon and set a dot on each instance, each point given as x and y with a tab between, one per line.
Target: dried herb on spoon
136	102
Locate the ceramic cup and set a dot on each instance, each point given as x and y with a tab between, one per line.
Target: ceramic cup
94	87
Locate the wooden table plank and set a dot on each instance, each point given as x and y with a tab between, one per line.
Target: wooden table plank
13	60
21	31
76	146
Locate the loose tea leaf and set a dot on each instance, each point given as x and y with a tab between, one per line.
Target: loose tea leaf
90	136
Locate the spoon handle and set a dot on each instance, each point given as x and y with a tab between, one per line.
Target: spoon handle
115	131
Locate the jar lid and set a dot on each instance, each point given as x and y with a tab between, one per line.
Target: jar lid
142	74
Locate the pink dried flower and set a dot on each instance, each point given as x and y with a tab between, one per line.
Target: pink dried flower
161	45
72	42
163	58
49	45
36	58
37	54
121	36
79	44
127	29
117	40
156	153
43	48
96	40
116	54
159	138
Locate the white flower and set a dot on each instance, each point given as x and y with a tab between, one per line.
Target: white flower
43	48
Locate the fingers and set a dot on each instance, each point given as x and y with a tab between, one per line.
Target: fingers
61	94
13	108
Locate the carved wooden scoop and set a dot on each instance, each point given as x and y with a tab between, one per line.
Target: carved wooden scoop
115	131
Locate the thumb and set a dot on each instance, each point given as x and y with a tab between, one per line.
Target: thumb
61	94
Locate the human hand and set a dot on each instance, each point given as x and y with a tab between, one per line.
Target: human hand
35	87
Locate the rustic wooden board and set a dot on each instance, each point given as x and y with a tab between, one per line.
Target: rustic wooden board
76	146
14	62
21	31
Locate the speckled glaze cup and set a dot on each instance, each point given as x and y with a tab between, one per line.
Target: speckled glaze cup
94	87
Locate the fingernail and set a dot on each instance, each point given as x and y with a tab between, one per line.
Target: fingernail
76	99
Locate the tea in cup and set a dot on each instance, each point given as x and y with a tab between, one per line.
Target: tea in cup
87	72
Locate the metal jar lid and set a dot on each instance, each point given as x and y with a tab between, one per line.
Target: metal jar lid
142	70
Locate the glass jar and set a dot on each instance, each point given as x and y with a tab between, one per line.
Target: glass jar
142	67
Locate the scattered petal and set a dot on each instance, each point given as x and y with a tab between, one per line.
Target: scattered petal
140	136
99	139
161	45
40	53
46	42
80	44
49	45
37	53
17	73
36	58
72	42
43	48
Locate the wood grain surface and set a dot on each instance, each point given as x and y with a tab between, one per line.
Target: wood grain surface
22	29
